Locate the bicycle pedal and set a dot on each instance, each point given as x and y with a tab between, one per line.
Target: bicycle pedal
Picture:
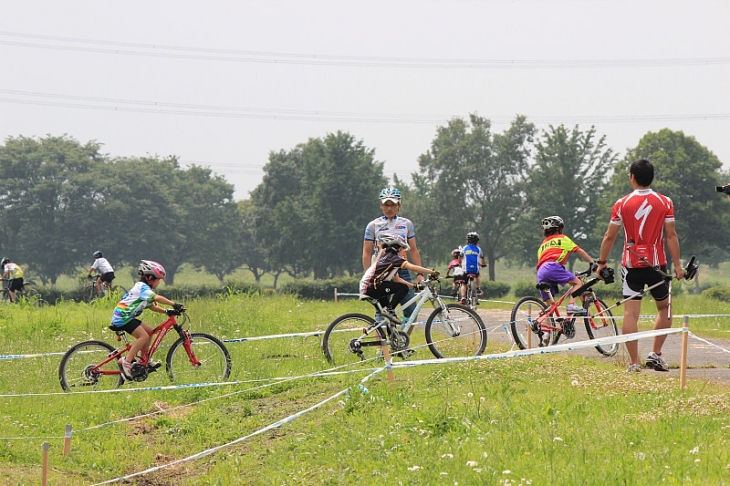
153	366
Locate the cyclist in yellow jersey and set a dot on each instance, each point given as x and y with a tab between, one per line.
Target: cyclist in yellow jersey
551	257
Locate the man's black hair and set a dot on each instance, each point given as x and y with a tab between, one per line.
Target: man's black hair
643	172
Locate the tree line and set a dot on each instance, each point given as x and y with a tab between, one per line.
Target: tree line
60	200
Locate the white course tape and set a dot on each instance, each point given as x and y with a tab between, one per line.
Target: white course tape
241	439
708	342
592	343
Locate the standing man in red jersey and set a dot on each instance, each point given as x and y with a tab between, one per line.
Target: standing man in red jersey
648	221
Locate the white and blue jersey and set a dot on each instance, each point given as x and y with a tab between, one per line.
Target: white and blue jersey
132	304
398	226
472	256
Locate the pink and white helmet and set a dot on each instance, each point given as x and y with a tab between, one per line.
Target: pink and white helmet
154	269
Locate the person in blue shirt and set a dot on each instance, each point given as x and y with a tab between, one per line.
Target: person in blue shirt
472	261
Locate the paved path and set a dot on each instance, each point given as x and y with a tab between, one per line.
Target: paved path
704	361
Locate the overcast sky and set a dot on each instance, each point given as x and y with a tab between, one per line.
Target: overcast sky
223	83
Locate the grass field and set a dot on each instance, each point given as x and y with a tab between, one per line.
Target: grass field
553	419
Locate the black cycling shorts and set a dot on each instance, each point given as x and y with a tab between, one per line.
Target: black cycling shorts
130	326
635	279
16	284
107	277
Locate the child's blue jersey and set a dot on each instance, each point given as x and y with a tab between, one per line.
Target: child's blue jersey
472	255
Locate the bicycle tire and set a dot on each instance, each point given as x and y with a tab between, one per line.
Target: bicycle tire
5	295
33	297
88	294
72	372
471	339
344	329
215	361
603	325
524	312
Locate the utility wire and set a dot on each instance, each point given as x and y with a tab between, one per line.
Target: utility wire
234	55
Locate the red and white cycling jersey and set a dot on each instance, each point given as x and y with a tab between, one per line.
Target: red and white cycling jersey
643	214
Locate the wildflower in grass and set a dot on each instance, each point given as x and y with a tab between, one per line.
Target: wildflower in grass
471	463
558	439
450	456
506	471
414	468
470	394
695	450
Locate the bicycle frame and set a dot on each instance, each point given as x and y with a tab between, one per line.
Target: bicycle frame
159	332
553	309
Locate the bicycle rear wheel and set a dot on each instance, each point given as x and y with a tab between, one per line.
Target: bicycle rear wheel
215	361
525	320
88	294
76	371
599	326
345	342
455	331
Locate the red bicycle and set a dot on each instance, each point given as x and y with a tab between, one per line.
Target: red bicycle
195	357
531	318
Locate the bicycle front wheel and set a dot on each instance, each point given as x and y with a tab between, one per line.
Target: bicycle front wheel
603	325
345	341
33	297
455	331
525	321
79	371
213	357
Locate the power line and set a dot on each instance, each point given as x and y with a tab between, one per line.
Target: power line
234	55
165	108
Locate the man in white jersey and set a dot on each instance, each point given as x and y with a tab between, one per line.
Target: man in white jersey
648	221
391	223
105	270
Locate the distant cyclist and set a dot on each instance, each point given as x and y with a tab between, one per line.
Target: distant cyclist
106	272
472	262
14	275
456	270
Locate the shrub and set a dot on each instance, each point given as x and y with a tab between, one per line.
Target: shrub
494	289
717	293
523	288
322	289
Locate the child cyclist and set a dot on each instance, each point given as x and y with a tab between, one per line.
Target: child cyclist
473	260
381	280
551	257
456	270
105	271
140	297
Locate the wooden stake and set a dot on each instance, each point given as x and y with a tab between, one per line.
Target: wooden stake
529	331
683	359
44	477
335	295
67	441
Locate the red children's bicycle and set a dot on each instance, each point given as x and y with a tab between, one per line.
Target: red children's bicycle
195	357
532	318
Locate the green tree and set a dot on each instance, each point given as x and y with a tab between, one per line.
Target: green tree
568	179
252	254
473	180
313	204
44	202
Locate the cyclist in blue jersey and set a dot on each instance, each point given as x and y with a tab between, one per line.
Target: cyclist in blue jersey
471	263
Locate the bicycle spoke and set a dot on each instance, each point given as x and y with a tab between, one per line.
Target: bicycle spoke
344	341
215	362
599	326
525	322
456	331
76	370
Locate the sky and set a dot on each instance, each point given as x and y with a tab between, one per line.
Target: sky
223	83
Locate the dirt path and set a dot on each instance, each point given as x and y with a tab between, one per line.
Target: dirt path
704	361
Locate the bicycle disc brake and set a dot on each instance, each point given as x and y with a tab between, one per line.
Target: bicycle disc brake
399	340
139	372
355	347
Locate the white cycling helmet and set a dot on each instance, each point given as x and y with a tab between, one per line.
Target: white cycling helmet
390	194
552	222
393	241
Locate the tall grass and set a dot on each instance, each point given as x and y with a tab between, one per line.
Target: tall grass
540	420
